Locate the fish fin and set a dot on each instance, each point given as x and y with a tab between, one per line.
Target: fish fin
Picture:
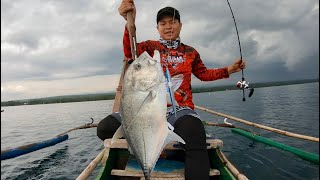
172	136
130	150
176	81
156	55
170	126
152	94
117	135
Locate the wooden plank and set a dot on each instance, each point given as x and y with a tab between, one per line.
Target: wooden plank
162	166
142	178
155	175
105	156
230	166
86	172
122	144
128	173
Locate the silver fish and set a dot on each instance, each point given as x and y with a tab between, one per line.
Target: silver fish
143	111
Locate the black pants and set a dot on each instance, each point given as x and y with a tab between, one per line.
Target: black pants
190	129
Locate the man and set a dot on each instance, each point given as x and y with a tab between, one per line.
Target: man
181	60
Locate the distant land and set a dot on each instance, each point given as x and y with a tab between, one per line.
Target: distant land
109	96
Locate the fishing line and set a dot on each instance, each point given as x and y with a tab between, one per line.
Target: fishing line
241	84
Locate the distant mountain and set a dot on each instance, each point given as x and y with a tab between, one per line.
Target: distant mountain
108	96
199	89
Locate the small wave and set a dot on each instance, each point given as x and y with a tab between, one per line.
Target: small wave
39	168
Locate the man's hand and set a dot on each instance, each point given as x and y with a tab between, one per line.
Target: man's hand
126	6
236	66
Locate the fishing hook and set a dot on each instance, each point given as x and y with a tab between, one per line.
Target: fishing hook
88	124
225	121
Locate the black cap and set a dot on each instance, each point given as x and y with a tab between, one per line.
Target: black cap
168	11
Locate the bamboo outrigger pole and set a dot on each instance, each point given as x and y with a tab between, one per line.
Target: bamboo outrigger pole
279	131
116	105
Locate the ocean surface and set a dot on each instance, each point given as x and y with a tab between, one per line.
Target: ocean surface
293	108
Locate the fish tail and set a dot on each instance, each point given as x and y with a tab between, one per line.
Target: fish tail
147	173
146	170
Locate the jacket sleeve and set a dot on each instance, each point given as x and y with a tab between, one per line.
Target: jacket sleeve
204	74
141	47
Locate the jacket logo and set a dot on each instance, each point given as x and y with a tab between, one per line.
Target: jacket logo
174	58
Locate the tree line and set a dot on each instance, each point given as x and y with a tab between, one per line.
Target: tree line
110	96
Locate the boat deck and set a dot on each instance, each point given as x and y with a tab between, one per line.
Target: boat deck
166	167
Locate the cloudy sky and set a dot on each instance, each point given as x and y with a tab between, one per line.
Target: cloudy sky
60	47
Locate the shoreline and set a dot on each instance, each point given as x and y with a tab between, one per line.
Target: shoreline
110	96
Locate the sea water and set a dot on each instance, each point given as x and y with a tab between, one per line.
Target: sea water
293	108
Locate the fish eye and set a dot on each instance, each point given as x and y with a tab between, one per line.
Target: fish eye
137	66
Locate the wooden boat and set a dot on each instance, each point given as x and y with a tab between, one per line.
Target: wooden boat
119	164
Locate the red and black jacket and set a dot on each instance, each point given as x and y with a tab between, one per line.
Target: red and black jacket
181	61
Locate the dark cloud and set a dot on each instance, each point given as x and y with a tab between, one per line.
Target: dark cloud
57	39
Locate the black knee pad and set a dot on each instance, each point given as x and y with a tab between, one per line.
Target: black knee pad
108	126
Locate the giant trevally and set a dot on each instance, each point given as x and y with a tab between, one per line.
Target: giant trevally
143	111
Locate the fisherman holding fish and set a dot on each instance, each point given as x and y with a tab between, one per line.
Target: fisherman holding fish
178	62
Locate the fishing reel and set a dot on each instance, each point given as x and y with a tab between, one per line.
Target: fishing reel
242	85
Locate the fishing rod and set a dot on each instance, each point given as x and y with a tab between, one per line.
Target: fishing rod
242	84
